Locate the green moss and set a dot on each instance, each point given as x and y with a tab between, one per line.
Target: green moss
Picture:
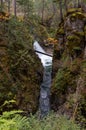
85	30
68	28
78	15
80	34
41	33
83	65
60	31
81	15
73	38
19	73
63	80
73	17
72	10
75	66
73	44
72	67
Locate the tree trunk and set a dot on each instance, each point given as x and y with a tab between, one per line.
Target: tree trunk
43	11
66	8
15	7
80	3
61	13
1	2
9	6
75	3
54	8
1	5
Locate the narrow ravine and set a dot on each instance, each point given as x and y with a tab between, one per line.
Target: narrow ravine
44	100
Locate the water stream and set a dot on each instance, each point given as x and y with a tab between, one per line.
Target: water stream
44	101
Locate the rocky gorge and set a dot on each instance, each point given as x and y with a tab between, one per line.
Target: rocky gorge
21	71
68	94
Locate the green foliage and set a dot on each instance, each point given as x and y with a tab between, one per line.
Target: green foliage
74	42
63	80
78	15
20	42
60	84
14	121
19	34
60	31
41	33
71	38
27	6
73	10
18	67
23	65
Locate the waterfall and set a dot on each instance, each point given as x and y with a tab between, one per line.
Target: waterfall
38	47
44	101
46	60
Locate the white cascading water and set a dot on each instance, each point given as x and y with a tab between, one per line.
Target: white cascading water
46	60
44	101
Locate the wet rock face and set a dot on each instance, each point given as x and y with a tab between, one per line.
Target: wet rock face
69	63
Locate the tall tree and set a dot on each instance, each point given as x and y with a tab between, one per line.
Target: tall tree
54	8
15	13
27	6
66	8
61	13
60	8
43	5
9	6
79	3
75	3
1	5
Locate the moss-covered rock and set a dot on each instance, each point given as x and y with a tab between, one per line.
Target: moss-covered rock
60	30
78	15
20	68
69	79
73	10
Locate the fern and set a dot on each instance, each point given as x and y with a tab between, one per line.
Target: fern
14	121
11	113
22	123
